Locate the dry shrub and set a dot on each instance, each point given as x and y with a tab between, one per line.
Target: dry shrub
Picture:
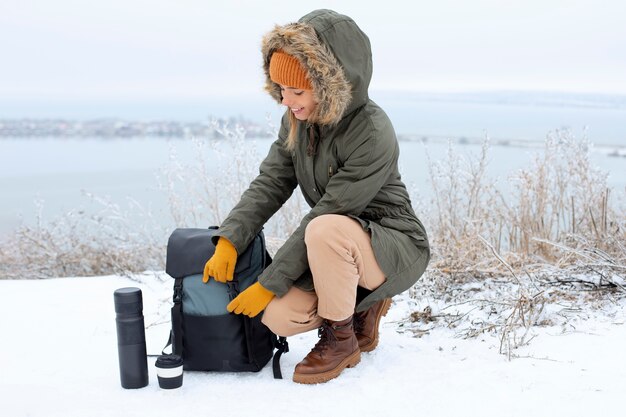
559	207
555	237
562	198
132	239
80	244
202	193
466	204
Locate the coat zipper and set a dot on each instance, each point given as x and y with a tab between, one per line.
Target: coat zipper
311	151
311	148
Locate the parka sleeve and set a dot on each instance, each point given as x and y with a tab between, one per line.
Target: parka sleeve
264	197
366	169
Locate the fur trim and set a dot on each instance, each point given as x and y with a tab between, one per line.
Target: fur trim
331	87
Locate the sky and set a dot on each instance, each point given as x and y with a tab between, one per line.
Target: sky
192	49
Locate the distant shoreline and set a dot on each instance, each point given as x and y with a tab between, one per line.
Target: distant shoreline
607	149
113	128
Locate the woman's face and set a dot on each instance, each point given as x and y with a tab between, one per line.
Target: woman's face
300	102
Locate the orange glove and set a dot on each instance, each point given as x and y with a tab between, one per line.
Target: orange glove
251	301
221	266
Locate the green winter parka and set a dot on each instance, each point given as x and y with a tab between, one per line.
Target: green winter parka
344	158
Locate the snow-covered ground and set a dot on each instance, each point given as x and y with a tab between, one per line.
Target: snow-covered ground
59	358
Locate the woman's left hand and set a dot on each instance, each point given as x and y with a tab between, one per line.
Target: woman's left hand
251	301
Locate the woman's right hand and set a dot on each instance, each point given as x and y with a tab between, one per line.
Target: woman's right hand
221	266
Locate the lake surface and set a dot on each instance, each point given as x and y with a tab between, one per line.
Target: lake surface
510	121
58	171
501	115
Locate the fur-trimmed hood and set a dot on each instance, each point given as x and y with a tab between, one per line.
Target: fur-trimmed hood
336	55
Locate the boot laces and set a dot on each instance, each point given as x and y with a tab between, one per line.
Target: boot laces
327	337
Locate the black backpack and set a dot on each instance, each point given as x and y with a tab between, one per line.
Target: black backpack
204	333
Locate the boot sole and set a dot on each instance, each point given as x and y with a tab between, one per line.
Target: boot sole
383	312
349	362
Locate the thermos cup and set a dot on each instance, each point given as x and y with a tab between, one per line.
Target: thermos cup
169	371
131	337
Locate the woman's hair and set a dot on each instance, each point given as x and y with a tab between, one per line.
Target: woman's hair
293	131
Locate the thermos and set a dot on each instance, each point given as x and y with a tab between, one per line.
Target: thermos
131	337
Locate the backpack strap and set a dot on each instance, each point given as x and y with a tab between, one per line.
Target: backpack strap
176	336
281	346
247	329
233	291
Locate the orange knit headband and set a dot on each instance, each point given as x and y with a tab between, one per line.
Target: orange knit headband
287	70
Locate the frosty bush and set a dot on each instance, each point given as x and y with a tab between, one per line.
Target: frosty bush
113	241
559	211
81	244
499	259
203	193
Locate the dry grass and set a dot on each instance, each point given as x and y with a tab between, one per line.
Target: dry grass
132	239
557	236
202	193
80	244
560	212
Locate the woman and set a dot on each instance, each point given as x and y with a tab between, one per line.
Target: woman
361	243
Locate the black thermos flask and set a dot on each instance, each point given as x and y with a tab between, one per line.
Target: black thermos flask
131	337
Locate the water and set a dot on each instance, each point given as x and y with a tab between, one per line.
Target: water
526	116
511	121
58	171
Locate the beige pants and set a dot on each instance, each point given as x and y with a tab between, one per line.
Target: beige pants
340	258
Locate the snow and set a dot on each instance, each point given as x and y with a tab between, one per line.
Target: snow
59	358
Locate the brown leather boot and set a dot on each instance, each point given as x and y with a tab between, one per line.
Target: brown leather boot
336	350
366	324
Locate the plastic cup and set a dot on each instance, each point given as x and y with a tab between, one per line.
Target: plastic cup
169	371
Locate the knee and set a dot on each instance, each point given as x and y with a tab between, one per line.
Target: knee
320	227
277	322
285	318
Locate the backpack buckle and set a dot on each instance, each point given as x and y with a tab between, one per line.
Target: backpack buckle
281	344
178	294
233	289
